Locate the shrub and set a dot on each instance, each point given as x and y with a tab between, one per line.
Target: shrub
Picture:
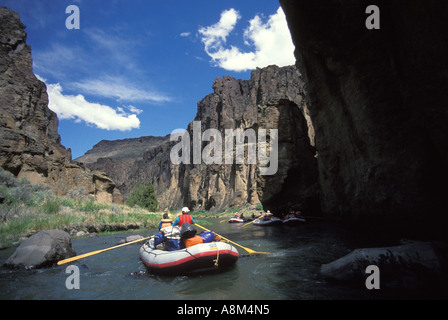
77	194
91	206
8	179
143	196
51	206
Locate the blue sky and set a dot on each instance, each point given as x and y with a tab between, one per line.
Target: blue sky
138	67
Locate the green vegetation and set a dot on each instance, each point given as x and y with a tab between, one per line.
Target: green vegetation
26	209
143	196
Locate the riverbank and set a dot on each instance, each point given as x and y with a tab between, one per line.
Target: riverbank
73	216
22	219
26	209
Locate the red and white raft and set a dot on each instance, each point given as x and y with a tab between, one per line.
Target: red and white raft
195	258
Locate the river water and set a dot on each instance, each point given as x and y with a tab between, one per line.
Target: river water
289	271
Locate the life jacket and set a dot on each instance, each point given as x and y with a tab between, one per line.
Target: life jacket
193	241
185	218
166	223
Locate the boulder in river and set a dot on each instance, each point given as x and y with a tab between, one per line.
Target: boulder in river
130	239
41	250
410	265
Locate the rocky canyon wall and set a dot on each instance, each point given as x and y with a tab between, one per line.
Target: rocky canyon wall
273	98
29	141
378	103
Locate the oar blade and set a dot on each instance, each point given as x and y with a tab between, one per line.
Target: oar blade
250	251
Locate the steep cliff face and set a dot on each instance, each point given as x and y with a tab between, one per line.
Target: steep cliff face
378	104
29	141
273	98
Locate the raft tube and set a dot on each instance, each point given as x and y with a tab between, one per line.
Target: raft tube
199	257
294	221
239	220
271	222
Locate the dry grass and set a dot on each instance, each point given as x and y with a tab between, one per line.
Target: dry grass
26	209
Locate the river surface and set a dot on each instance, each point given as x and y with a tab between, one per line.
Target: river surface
289	271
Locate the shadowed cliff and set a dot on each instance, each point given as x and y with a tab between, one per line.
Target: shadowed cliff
378	104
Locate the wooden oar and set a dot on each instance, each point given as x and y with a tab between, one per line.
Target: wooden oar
246	224
99	251
247	249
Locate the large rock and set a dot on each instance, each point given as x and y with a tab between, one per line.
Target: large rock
378	104
411	265
29	141
43	249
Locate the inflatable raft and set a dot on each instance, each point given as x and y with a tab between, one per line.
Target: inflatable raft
294	220
239	220
195	258
274	221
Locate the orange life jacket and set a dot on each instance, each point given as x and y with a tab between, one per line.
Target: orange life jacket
185	218
193	240
166	223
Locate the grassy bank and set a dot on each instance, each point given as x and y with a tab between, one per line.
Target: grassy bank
26	209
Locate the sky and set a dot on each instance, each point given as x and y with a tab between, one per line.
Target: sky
133	68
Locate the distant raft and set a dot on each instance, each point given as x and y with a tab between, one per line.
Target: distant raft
200	257
294	221
273	221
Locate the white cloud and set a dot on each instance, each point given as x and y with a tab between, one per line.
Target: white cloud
214	37
185	34
133	109
101	116
118	88
271	41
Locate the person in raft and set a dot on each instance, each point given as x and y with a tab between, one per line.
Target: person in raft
165	222
190	238
184	217
267	216
168	238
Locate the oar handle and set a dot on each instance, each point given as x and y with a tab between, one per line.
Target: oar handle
247	224
247	249
88	254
